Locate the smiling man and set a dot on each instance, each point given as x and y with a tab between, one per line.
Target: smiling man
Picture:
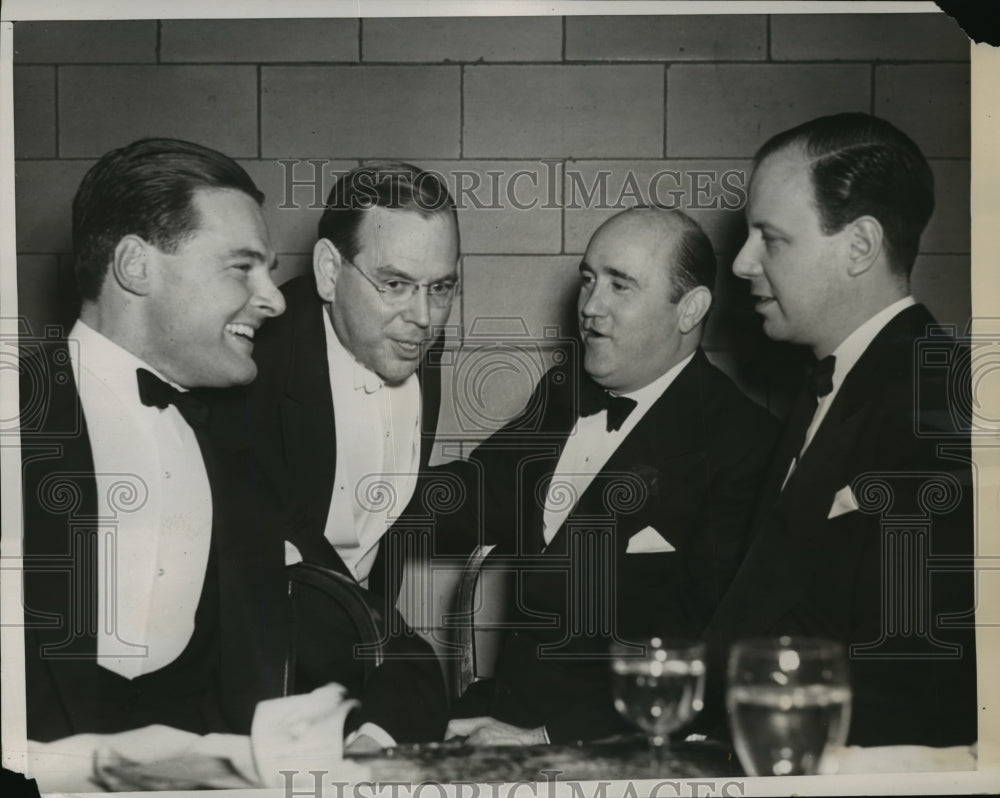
138	562
346	405
634	493
835	214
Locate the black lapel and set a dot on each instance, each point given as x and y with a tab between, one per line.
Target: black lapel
306	414
60	540
791	533
667	431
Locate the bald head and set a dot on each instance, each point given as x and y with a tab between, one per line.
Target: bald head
645	288
670	238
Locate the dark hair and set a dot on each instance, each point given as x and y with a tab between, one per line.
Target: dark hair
861	165
145	189
388	184
694	261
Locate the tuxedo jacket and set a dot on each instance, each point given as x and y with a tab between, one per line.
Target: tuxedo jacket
291	421
892	579
689	470
244	627
286	420
236	654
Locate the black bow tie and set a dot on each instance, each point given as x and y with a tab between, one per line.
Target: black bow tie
594	399
154	392
820	377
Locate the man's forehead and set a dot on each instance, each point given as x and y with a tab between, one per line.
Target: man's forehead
235	219
633	243
407	239
379	220
786	167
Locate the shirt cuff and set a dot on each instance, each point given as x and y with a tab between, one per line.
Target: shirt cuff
377	733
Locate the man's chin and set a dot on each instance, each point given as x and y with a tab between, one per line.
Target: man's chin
397	373
232	378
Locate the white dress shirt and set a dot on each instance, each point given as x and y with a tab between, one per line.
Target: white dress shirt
378	455
154	506
848	353
846	356
589	447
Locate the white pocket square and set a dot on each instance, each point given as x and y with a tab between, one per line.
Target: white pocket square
648	541
843	502
292	555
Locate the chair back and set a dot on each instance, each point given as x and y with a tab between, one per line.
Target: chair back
338	630
481	616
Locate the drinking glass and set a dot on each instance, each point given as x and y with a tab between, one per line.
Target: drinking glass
659	684
789	702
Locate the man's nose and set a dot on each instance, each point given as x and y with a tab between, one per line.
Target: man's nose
591	301
418	308
747	264
269	299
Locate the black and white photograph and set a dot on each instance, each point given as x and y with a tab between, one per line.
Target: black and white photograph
569	398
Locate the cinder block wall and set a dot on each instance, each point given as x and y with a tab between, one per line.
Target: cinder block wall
534	121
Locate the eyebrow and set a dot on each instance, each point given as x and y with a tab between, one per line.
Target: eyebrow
389	270
253	254
617	274
766	226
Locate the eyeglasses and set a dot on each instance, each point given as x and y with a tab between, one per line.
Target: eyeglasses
397	291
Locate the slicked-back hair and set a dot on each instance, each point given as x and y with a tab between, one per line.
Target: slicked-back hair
694	261
394	185
145	189
861	165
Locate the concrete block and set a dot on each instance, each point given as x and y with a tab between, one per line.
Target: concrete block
295	193
85	42
259	40
948	230
458	39
34	112
930	103
360	112
102	107
667	37
43	195
867	37
721	111
713	193
505	207
530	292
563	111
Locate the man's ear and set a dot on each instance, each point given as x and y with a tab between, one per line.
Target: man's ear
692	308
130	265
327	263
865	242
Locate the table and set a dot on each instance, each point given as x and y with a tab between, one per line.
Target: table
622	758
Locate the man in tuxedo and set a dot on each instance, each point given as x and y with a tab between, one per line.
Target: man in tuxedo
864	530
153	592
627	504
344	411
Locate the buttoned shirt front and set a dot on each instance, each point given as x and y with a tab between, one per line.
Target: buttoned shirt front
589	447
154	507
378	455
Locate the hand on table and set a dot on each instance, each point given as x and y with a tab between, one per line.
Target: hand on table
490	731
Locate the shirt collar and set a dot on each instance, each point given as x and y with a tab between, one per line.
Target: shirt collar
108	362
341	361
855	344
645	396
